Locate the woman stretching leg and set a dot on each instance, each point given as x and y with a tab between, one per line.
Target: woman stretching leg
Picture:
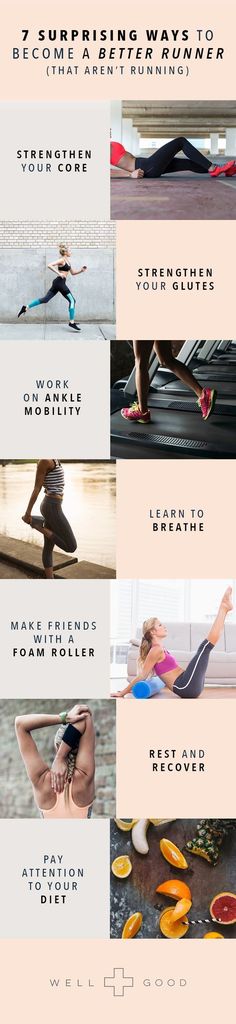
66	789
138	412
164	161
154	659
53	524
63	268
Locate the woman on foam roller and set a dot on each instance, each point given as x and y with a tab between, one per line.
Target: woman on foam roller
165	161
63	268
66	790
53	523
138	412
154	659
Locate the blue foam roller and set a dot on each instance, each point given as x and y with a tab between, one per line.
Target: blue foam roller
147	688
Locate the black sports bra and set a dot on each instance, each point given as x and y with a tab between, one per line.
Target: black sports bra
65	266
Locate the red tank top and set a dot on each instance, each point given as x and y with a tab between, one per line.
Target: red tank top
116	152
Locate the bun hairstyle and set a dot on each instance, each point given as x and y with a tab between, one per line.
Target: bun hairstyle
146	642
63	250
71	757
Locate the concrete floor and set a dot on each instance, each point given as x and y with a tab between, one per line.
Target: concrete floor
174	197
25	331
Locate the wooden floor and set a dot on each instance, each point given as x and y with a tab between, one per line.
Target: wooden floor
209	692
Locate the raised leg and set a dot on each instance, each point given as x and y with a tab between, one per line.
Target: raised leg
226	606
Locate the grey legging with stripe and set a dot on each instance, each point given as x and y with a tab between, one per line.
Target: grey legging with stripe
62	535
191	683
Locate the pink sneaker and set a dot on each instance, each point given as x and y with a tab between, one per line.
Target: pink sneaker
133	413
206	402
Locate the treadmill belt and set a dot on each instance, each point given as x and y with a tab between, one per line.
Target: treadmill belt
164	439
191	407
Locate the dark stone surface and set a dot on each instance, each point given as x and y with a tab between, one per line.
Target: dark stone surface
137	893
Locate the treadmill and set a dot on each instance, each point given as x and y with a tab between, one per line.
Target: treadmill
177	428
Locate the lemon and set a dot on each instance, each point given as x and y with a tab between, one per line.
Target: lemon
121	867
125	825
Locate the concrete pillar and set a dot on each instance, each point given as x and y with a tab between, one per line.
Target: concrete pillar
136	146
214	144
116	121
230	142
127	134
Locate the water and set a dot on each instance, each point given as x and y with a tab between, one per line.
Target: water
89	504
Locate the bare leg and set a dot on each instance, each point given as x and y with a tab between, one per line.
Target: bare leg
226	606
164	353
142	352
49	574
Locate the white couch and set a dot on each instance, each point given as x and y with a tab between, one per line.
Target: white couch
183	639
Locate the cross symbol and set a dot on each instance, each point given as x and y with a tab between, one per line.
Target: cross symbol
118	982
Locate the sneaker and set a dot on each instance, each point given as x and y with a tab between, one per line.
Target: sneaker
231	171
221	170
75	327
133	412
206	402
22	310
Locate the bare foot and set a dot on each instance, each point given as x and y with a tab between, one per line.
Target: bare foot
227	599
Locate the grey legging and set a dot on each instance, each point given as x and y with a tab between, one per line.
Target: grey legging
164	160
191	682
53	518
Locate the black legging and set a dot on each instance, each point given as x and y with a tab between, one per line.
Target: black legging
53	518
58	285
164	161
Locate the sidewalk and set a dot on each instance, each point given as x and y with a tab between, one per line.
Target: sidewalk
25	331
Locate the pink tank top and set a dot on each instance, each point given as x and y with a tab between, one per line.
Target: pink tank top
65	807
166	665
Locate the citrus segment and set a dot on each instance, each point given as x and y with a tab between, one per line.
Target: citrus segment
172	929
179	890
213	935
223	908
172	854
181	908
124	824
132	926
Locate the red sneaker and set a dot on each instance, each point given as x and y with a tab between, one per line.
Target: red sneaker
134	414
221	170
206	402
231	171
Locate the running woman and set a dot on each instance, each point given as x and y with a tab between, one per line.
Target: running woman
53	523
66	790
62	268
154	659
165	161
138	412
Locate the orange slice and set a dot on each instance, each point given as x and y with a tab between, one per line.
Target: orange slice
172	854
172	929
179	890
132	926
213	935
181	908
121	867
